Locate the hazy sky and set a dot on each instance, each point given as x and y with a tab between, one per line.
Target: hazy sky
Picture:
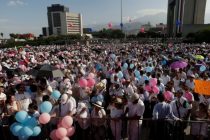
22	16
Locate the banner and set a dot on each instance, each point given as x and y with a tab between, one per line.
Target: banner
202	87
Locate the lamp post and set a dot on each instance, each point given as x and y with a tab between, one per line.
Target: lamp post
121	24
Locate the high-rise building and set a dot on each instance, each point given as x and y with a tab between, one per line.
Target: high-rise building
63	22
184	12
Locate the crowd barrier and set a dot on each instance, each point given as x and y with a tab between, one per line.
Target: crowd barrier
124	128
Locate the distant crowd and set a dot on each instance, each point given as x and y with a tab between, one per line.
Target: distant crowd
116	81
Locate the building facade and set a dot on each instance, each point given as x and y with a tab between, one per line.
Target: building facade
63	22
184	12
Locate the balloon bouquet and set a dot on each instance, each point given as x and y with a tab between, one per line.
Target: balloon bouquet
27	126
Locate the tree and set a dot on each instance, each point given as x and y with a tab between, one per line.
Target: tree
2	35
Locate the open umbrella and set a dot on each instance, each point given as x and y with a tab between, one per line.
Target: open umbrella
199	57
49	71
178	65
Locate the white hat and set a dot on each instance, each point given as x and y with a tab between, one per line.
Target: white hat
98	104
64	98
134	97
80	107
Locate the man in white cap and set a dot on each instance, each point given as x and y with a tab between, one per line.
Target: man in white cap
98	114
135	112
64	108
83	119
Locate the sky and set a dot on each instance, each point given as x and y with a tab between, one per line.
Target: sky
23	16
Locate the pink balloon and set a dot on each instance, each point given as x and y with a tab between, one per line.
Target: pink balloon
155	89
70	131
110	25
65	138
83	82
91	76
61	132
67	122
147	88
44	118
188	96
53	135
91	83
168	96
153	82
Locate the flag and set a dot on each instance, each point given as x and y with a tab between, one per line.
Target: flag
202	87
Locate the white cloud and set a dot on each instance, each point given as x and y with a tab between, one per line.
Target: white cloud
146	12
16	2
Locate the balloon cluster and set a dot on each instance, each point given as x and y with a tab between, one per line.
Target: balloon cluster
25	126
152	86
45	109
89	82
64	129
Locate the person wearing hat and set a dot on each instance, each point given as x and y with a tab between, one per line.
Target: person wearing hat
116	112
98	116
135	111
83	121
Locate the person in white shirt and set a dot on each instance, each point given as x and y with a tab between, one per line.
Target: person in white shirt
135	112
116	111
22	97
64	108
180	106
190	82
3	97
128	88
165	78
98	115
83	121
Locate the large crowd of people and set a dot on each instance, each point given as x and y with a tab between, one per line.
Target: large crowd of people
132	82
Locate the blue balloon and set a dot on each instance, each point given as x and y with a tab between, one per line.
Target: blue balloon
125	66
56	94
100	98
26	131
149	69
31	122
46	107
94	99
132	66
137	73
36	131
202	68
113	56
120	75
163	62
21	116
22	138
16	128
98	67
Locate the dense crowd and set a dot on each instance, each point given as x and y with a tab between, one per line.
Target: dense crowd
130	80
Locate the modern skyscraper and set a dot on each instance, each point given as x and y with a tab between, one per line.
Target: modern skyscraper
184	12
62	22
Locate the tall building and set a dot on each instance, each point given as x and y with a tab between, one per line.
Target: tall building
63	22
184	12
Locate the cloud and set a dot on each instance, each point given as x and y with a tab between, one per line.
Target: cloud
146	12
16	3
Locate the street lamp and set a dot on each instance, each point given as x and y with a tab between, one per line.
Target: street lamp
121	24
